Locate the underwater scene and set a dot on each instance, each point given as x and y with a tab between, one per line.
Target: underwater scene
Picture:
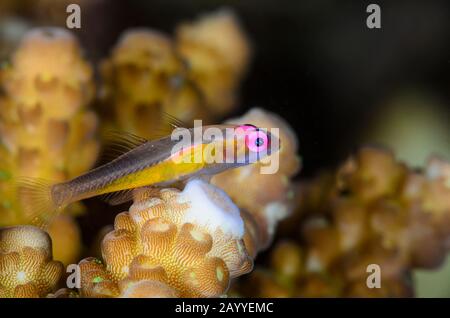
234	149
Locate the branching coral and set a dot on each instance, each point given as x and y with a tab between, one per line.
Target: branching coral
217	52
373	210
143	78
286	267
46	130
267	197
66	238
194	77
377	197
26	265
182	243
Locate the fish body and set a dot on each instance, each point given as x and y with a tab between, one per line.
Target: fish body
152	163
148	164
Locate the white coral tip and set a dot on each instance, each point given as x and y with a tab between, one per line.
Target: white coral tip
212	208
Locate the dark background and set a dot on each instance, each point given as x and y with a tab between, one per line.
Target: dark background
315	61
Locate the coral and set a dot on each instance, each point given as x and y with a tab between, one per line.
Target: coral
286	260
66	238
412	122
195	76
12	30
64	293
46	128
217	52
287	276
372	210
95	249
374	197
27	268
268	197
144	78
95	280
180	244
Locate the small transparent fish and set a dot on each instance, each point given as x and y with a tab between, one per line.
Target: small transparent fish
155	163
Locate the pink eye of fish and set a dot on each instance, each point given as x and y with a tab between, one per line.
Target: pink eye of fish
255	139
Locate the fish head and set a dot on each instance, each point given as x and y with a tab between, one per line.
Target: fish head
246	144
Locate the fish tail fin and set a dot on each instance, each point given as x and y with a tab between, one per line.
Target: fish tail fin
37	201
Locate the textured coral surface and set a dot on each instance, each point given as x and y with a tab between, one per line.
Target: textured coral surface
186	244
372	210
26	265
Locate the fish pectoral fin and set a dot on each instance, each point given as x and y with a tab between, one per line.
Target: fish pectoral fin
136	195
118	197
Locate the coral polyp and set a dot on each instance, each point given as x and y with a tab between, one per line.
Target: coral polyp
181	243
27	269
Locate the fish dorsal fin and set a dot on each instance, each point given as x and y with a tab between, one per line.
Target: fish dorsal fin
173	122
126	138
117	143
